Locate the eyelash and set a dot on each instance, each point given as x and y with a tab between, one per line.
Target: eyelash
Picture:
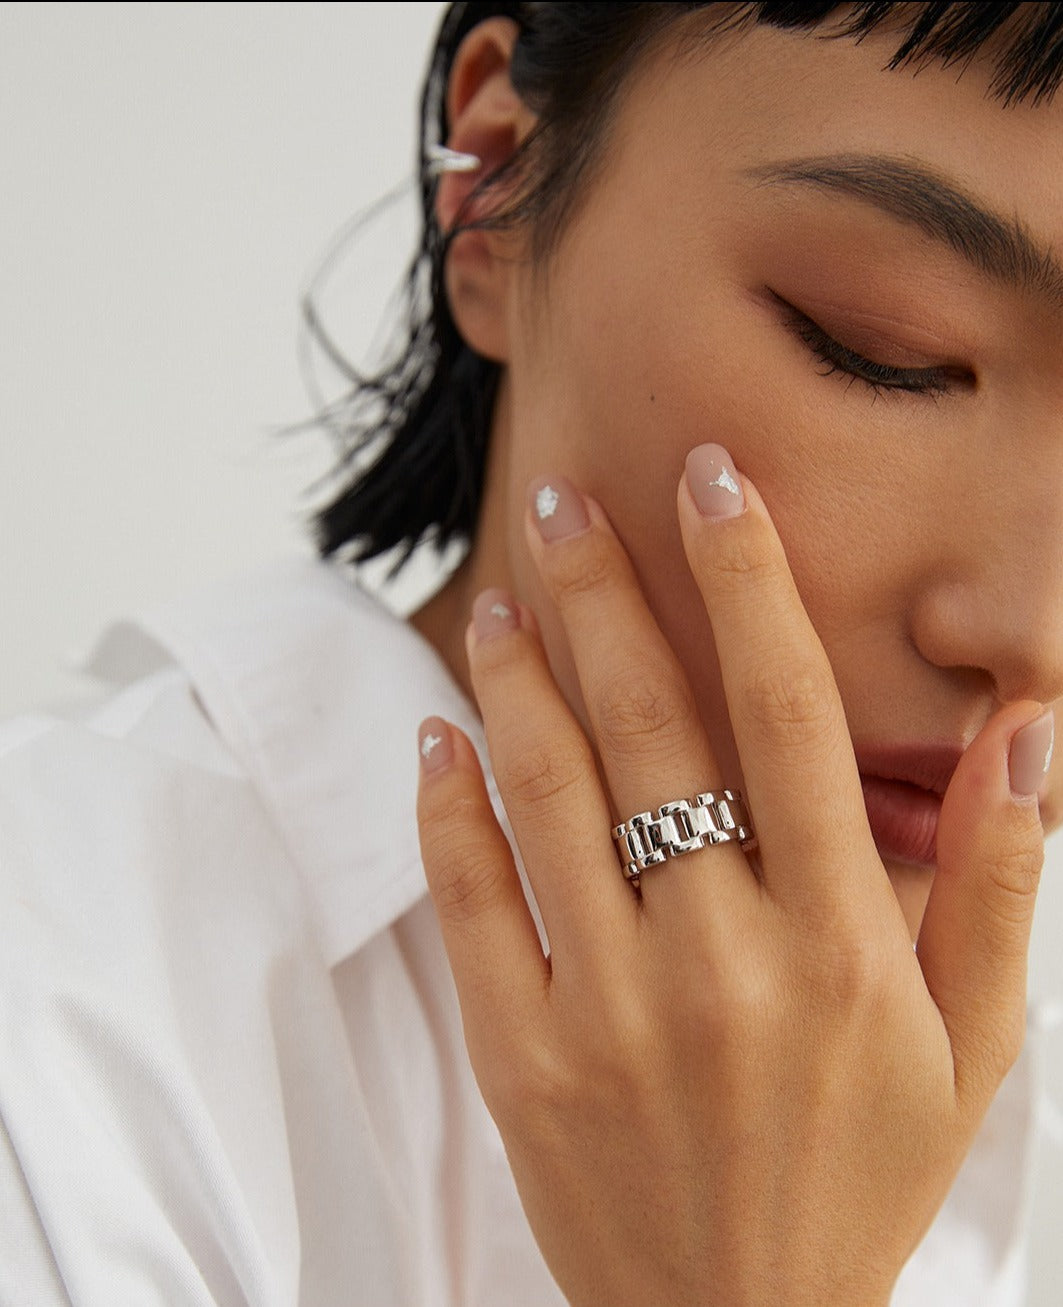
878	377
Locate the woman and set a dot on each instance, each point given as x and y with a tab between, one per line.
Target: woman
693	247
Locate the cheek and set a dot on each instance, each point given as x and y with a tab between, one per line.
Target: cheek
643	390
626	373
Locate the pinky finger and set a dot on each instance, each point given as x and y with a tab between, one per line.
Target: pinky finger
491	940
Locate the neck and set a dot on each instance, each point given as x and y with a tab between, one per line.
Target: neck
442	622
444	619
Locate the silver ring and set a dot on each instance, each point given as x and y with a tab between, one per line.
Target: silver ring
650	838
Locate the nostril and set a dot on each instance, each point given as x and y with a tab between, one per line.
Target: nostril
1009	634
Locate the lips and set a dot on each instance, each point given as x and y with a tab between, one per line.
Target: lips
903	789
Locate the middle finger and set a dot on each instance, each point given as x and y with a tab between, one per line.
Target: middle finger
785	708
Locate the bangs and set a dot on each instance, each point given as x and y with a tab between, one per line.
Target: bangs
1022	41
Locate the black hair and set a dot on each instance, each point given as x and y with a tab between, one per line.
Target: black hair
413	438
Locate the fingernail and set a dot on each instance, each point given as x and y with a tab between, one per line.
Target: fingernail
557	508
714	482
1031	755
493	612
434	744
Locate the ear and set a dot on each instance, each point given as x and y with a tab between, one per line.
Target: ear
487	118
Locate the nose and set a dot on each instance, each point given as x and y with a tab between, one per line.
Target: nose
995	607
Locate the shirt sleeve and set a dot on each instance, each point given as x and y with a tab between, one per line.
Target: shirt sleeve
28	1272
147	915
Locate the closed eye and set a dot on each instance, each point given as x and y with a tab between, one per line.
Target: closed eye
839	359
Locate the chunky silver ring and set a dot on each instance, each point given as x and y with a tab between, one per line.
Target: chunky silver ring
650	838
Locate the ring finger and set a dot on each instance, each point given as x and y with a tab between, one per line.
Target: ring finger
652	745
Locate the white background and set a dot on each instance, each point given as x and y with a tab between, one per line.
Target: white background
170	174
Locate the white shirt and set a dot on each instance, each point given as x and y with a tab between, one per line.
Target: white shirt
231	1064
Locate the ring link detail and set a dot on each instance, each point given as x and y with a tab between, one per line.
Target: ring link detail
650	838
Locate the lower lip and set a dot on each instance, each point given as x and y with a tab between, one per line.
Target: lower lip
903	819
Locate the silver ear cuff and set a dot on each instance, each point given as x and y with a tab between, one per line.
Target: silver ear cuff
442	159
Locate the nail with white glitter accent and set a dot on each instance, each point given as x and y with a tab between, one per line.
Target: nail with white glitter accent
494	613
557	508
1030	756
713	482
434	744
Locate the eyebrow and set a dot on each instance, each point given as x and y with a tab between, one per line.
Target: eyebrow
1001	248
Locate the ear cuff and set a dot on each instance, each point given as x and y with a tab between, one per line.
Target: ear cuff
441	159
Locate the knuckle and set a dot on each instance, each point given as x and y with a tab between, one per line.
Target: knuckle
576	573
1002	1051
1010	1044
738	1013
1012	877
445	822
541	774
741	560
529	1091
789	704
498	656
468	885
989	1056
853	976
638	713
732	1008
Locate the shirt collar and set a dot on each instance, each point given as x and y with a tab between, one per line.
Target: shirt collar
318	690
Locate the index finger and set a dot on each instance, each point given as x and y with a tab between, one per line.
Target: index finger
801	778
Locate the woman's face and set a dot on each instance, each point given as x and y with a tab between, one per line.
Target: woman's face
759	224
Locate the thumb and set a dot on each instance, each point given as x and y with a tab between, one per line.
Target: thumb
976	929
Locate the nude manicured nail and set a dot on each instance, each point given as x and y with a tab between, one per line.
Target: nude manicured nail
557	508
434	744
1031	755
493	612
714	483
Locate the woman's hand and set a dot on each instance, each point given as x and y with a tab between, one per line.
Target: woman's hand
744	1086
